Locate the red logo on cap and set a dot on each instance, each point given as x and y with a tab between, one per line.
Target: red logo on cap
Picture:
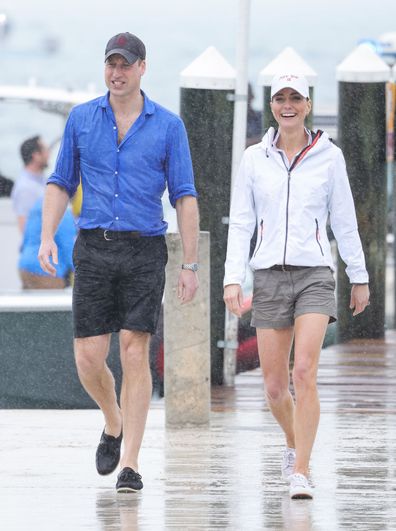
289	77
121	40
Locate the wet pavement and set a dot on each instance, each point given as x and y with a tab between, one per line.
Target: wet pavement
225	476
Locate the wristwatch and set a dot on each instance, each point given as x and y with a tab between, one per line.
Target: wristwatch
191	267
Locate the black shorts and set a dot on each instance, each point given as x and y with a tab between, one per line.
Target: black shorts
118	284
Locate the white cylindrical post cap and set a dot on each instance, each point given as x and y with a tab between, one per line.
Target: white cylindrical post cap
288	61
363	65
209	71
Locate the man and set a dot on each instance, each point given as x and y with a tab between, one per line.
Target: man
31	183
127	149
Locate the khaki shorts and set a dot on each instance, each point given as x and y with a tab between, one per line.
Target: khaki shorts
281	296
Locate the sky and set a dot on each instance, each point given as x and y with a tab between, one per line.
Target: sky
175	33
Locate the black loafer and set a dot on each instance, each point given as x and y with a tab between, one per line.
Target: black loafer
129	481
108	453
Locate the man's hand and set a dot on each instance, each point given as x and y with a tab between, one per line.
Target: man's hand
360	296
187	285
233	298
54	206
48	249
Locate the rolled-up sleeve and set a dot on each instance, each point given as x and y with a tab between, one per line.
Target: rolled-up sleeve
67	168
179	171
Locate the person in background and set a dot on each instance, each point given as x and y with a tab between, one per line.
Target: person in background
125	149
6	186
288	185
30	185
30	272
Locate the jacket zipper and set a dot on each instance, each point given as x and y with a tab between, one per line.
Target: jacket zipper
261	236
287	206
318	236
297	159
287	216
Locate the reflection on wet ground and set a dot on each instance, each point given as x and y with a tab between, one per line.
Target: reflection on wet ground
225	476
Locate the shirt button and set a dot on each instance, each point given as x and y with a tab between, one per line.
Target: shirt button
115	195
116	173
117	218
118	150
114	127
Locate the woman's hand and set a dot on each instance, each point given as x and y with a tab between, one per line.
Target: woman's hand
360	296
233	298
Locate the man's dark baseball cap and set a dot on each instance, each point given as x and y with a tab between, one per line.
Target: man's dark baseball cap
127	45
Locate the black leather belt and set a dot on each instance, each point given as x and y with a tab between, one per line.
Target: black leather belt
110	235
287	268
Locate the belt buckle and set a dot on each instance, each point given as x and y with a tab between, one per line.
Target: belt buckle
105	236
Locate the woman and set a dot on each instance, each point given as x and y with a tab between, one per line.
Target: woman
288	185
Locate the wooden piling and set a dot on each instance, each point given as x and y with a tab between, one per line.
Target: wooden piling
207	107
361	135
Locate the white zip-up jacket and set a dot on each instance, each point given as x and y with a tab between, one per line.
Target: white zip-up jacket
291	207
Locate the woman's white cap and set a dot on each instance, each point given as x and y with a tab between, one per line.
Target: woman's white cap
294	81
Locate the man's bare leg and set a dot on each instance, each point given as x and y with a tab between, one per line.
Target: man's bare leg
97	379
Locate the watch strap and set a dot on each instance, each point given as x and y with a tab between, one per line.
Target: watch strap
191	267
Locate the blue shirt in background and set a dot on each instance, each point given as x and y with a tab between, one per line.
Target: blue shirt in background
28	188
123	183
64	238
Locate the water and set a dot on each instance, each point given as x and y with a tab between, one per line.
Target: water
175	33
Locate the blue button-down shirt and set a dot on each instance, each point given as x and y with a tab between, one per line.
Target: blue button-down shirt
123	183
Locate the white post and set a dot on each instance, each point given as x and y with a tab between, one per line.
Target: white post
187	341
238	146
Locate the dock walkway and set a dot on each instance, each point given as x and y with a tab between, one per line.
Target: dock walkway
225	476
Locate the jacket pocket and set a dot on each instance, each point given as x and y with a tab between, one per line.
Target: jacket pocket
318	236
260	235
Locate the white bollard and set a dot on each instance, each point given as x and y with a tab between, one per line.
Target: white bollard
187	341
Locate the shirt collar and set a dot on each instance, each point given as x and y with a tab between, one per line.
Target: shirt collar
276	138
148	105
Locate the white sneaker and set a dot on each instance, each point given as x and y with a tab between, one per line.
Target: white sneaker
300	489
289	458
